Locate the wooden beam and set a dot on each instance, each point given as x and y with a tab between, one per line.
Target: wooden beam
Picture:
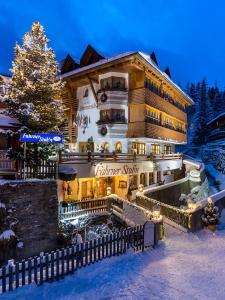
93	90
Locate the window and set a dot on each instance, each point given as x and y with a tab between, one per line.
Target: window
142	179
168	122
158	176
152	116
155	148
113	83
133	182
118	83
151	178
106	147
112	116
138	148
106	84
118	147
167	149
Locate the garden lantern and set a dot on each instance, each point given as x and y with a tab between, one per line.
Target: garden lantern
141	188
156	212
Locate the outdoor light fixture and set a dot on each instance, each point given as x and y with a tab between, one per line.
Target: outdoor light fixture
108	191
141	188
191	204
156	212
69	190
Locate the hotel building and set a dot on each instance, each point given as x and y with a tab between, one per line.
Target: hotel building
123	105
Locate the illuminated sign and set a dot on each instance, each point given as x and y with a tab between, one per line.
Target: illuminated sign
41	138
117	169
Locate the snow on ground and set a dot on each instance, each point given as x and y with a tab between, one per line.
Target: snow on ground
216	179
184	266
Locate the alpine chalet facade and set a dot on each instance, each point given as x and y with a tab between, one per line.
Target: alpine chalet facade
123	104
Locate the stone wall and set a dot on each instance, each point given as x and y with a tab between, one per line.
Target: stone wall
34	209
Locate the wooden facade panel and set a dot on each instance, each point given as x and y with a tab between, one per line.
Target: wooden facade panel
136	129
143	95
165	106
137	113
159	132
137	96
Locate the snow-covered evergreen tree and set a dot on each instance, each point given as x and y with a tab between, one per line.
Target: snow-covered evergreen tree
31	98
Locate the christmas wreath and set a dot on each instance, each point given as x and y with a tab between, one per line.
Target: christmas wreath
103	97
103	130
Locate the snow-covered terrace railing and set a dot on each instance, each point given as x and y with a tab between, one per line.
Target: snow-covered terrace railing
6	165
80	157
74	209
53	266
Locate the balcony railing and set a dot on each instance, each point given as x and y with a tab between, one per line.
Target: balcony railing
7	166
157	122
77	157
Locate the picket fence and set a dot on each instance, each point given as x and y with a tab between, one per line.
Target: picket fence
53	266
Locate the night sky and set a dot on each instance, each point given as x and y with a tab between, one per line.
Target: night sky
187	35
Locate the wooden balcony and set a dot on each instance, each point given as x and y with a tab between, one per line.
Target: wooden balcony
145	96
154	131
84	157
7	166
163	133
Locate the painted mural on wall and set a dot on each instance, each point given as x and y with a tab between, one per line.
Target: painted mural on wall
82	121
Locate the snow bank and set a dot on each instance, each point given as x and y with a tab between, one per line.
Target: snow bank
7	235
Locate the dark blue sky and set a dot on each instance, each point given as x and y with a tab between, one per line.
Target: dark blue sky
187	35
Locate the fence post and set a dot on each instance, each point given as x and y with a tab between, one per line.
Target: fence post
3	279
10	278
23	272
17	274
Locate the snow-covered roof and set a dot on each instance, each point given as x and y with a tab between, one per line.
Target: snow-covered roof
6	121
216	118
144	56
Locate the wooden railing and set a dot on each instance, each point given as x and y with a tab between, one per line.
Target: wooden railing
77	157
78	208
46	169
7	166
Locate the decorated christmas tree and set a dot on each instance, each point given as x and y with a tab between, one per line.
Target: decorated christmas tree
33	90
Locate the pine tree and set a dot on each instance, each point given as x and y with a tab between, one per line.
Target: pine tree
33	90
191	112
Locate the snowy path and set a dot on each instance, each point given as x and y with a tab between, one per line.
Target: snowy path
186	266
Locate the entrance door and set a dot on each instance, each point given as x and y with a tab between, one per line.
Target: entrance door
86	190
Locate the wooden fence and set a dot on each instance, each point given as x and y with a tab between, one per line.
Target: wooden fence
78	208
53	266
46	169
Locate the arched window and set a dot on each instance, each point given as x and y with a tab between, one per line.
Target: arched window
106	147
142	178
118	147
